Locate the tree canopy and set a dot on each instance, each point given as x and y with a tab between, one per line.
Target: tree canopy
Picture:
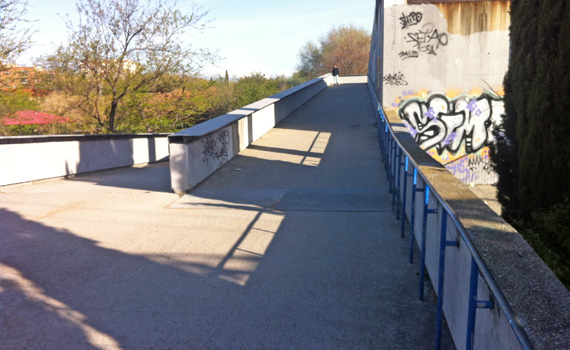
346	46
127	67
122	47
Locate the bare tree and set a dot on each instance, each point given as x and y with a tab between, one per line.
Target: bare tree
346	46
13	39
311	61
119	47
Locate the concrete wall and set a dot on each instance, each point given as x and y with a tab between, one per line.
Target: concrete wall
197	152
445	80
439	84
375	62
515	279
31	158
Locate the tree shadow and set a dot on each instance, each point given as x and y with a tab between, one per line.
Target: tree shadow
289	277
67	289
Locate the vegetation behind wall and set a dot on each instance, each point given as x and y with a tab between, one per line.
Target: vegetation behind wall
532	155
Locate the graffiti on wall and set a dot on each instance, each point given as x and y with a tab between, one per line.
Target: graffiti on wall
216	146
456	132
425	39
474	168
395	79
411	19
409	54
459	126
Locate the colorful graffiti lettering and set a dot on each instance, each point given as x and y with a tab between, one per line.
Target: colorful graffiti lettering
459	126
450	138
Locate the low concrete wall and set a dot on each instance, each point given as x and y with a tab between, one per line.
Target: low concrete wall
31	158
511	276
197	152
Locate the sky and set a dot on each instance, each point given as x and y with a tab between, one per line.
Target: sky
261	36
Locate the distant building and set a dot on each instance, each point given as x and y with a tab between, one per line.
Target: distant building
108	66
23	78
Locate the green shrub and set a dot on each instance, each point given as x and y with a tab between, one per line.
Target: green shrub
549	234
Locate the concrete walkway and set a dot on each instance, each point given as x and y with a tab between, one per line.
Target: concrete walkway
291	245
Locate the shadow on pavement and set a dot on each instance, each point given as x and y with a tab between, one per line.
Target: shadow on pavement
154	177
232	270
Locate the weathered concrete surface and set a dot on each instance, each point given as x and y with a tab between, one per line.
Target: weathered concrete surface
539	304
488	194
424	56
291	245
197	152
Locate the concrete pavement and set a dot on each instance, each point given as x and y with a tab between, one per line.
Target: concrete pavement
291	245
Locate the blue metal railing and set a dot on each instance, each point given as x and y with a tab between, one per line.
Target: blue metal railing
392	152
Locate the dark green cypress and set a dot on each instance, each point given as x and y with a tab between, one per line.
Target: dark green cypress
532	154
533	161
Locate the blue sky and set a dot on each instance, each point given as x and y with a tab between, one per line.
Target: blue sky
251	35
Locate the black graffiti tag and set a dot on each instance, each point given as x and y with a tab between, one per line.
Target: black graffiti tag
428	39
410	20
216	149
476	162
409	54
474	168
396	79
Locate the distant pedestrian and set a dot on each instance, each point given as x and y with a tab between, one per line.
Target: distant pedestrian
335	74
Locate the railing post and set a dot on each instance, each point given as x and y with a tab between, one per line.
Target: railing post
389	159
393	170
406	174
398	162
413	214
474	304
423	245
387	140
389	152
382	132
443	243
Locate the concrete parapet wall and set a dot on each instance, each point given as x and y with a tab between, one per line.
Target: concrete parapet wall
197	152
31	158
529	303
441	67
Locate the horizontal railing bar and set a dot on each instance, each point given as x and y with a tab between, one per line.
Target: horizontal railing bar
483	270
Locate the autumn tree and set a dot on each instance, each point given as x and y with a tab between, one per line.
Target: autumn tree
14	39
346	46
122	47
167	110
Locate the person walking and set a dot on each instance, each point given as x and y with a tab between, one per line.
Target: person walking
335	74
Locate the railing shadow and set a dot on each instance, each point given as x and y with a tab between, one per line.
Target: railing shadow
68	289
